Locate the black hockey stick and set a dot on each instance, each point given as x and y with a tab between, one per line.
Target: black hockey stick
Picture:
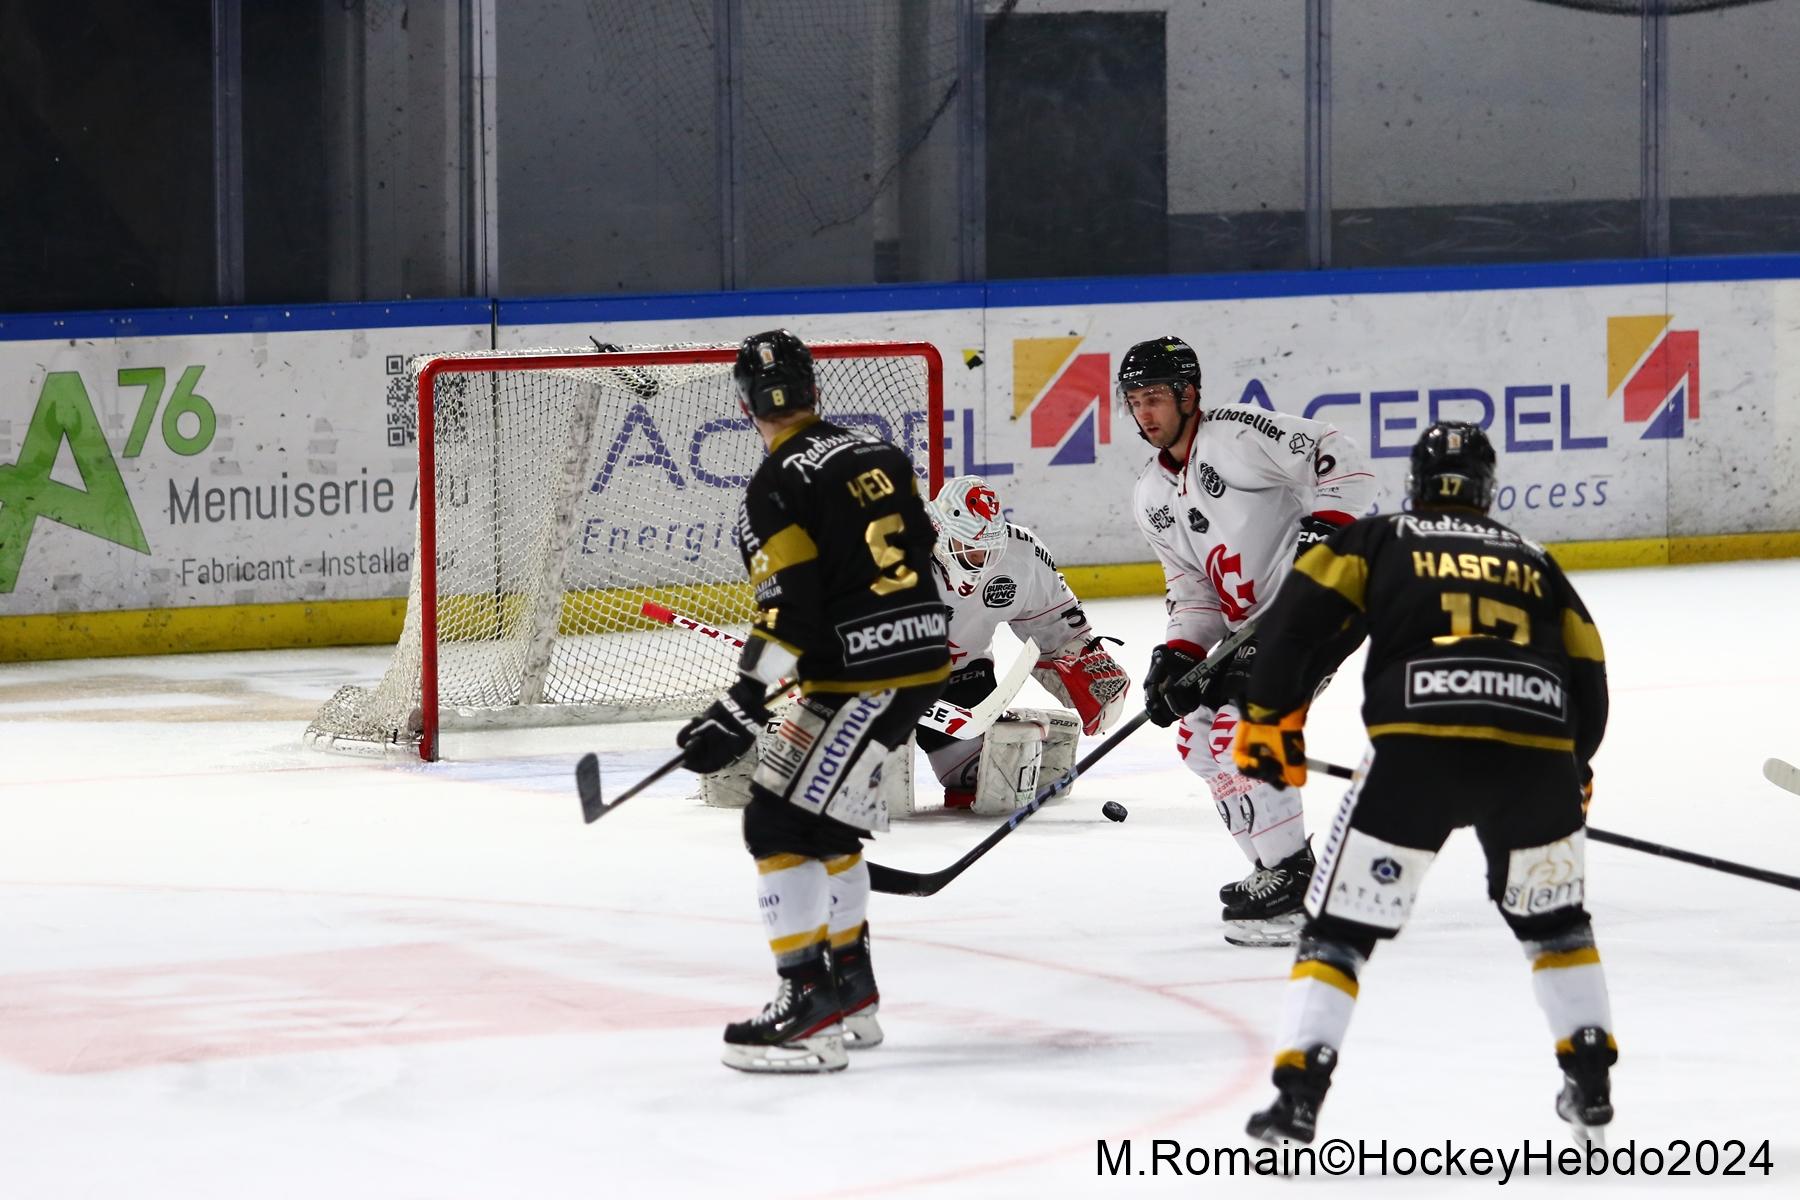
1725	865
587	778
894	882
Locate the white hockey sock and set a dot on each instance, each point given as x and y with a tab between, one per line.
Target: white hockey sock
1570	985
1228	796
794	897
848	879
1315	1010
1277	822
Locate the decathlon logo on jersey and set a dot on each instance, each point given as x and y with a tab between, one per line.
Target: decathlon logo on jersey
1489	681
894	635
1655	371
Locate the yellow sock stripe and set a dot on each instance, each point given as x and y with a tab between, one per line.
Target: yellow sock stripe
845	937
842	863
779	862
797	941
1327	974
1566	1046
1553	960
1291	1058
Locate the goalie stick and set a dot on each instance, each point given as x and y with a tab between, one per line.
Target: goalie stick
1784	775
1725	865
895	882
951	720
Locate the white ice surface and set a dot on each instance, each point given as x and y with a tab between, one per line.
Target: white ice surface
231	966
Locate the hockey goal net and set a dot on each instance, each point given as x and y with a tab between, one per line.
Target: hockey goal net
569	488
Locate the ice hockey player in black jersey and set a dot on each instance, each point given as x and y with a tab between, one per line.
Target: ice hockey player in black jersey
1485	698
838	545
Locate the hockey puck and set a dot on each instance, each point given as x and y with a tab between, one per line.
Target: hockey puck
1112	810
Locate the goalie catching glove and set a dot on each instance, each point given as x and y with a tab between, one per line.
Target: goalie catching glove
726	731
1274	751
1088	680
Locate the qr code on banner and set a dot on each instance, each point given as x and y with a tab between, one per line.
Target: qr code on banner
402	404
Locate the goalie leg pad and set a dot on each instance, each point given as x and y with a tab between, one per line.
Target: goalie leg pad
1012	756
1062	736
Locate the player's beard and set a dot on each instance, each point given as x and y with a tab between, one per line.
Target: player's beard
1172	436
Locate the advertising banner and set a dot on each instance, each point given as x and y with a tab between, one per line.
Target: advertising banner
178	470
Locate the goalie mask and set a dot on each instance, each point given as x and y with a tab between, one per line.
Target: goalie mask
1165	361
1452	463
971	529
774	374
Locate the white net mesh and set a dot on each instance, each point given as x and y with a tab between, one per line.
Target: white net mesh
567	496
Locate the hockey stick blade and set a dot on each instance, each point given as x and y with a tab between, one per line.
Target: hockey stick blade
1724	865
587	780
892	881
1784	775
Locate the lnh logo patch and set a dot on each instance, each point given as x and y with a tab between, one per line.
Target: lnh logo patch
1656	370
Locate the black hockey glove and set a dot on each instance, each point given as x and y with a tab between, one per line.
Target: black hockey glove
719	736
1313	530
1165	699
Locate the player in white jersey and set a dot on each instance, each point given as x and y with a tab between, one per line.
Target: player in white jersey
991	572
1233	492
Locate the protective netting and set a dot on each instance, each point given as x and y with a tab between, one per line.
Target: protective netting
565	498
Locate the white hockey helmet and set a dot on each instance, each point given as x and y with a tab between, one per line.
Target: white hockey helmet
971	527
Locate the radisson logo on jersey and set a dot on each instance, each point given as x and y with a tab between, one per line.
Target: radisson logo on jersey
1067	394
1655	371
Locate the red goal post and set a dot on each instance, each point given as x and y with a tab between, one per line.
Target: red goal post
569	487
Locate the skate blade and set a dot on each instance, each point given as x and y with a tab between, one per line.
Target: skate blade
862	1031
1275	931
808	1056
1586	1136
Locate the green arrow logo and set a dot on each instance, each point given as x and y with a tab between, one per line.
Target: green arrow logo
104	509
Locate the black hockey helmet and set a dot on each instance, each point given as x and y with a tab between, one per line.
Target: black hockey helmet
774	374
1452	463
1159	360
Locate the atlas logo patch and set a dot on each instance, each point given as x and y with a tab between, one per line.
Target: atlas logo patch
1385	870
1655	371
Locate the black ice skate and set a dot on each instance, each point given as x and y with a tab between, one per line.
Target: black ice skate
1295	1114
1236	893
854	972
797	1032
1586	1098
1271	913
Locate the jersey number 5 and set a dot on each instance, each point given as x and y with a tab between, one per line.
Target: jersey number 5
890	560
1490	612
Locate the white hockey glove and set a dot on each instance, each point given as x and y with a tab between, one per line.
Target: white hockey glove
1088	680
